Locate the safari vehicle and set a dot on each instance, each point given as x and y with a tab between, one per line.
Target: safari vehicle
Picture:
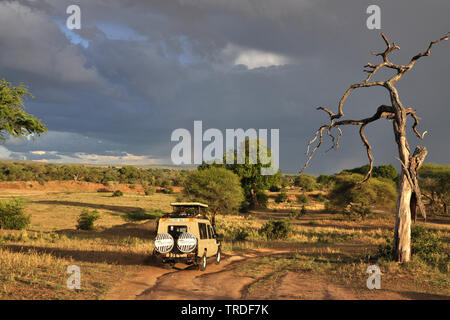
186	235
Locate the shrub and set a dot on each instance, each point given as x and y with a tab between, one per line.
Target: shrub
301	198
168	190
149	190
165	183
274	189
382	171
426	245
306	182
12	215
262	198
293	214
325	180
240	234
357	211
320	197
276	229
86	219
348	191
435	185
281	197
117	193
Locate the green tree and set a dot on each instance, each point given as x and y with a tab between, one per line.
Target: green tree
252	182
218	187
435	183
13	119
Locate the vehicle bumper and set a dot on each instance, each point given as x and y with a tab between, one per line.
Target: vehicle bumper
176	257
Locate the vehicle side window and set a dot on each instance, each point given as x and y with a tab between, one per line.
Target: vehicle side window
203	231
211	232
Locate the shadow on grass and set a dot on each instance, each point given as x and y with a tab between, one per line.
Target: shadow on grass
93	256
122	209
144	231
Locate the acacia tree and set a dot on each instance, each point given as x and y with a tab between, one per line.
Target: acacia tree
13	119
409	196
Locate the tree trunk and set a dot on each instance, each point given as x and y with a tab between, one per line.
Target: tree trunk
402	234
402	237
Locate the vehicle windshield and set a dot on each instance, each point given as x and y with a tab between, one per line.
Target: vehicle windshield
186	211
175	231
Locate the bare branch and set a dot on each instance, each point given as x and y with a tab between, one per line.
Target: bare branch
345	96
410	111
382	111
369	152
389	48
428	51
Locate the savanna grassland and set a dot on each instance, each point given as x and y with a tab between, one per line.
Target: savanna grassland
319	249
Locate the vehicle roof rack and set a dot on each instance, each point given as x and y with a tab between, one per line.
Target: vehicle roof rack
188	204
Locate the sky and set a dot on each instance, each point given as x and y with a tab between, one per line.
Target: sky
115	90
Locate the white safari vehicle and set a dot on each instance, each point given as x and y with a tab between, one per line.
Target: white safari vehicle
186	235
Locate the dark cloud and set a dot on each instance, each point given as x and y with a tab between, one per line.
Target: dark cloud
180	67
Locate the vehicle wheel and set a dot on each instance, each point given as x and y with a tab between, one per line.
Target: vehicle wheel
203	261
218	255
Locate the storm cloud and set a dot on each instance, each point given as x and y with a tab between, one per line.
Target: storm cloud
137	70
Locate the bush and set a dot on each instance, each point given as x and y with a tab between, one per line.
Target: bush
117	193
12	215
435	185
86	219
149	190
274	189
325	180
293	214
348	191
306	182
382	171
168	190
320	197
240	234
281	197
359	210
301	198
262	198
276	229
427	246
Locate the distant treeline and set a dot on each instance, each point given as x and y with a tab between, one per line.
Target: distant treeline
18	171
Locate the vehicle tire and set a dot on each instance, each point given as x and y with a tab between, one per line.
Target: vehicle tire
218	255
203	262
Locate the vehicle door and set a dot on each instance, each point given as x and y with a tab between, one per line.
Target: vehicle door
203	238
212	241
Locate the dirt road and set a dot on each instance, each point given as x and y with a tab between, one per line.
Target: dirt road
223	281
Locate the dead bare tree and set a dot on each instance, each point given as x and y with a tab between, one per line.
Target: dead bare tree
409	196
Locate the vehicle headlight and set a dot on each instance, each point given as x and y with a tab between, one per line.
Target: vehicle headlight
186	242
164	242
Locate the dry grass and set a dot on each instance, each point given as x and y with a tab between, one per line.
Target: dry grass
33	263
